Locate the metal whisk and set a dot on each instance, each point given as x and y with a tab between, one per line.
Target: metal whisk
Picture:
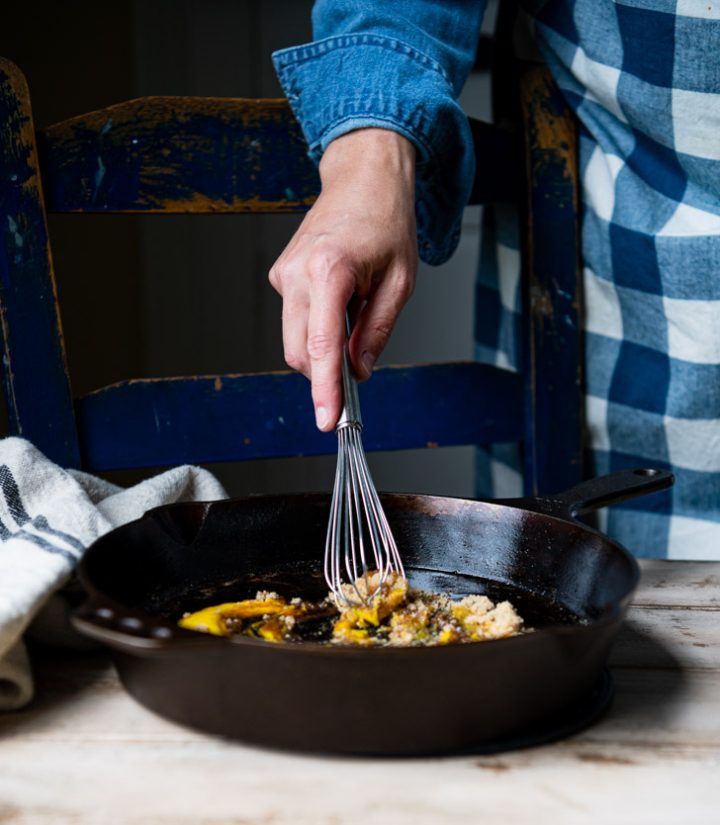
358	532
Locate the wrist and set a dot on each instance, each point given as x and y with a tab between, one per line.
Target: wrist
368	151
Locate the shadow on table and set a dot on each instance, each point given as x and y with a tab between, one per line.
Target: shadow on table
635	701
62	677
650	681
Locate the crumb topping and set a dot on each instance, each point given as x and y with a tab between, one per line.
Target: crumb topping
395	616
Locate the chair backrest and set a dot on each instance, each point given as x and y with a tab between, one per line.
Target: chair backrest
221	155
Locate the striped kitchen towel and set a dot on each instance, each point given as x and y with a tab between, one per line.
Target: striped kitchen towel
48	516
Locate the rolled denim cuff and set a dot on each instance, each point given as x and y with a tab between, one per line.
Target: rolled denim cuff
357	81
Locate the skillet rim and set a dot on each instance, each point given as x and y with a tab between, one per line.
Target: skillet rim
182	639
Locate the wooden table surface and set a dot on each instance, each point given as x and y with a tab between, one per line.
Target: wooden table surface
87	754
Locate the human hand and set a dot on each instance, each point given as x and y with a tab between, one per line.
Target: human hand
358	238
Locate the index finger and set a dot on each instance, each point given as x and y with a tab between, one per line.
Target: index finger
329	295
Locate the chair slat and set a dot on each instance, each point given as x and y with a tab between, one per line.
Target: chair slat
234	417
209	155
179	154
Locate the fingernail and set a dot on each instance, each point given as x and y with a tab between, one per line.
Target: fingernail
368	361
321	418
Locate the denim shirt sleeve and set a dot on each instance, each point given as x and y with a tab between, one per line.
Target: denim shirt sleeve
397	65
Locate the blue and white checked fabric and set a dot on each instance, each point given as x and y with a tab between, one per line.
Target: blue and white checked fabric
644	79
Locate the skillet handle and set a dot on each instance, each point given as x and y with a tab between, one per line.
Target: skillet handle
600	492
123	629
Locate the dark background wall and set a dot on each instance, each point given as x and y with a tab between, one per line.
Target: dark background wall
145	296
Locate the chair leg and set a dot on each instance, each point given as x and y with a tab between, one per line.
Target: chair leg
41	409
552	282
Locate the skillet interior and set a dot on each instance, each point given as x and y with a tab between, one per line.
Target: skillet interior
187	556
307	580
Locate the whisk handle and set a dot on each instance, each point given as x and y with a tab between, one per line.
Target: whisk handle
350	415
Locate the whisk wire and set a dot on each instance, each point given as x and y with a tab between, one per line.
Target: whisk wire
334	529
357	528
357	538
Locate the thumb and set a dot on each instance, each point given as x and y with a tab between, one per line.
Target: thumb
377	321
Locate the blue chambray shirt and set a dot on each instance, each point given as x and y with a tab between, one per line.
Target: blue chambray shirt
402	71
643	77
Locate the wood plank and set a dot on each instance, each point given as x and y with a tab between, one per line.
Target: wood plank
37	388
247	156
188	784
670	583
671	709
650	760
669	637
224	418
179	154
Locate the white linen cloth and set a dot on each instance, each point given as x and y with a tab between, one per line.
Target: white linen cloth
48	517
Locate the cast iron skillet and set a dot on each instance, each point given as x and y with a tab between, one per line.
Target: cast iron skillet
572	583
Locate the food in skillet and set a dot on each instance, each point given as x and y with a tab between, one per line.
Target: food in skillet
397	616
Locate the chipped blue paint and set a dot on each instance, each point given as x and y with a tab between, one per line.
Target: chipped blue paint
242	157
37	392
17	238
107	126
14	231
230	147
99	176
554	438
239	421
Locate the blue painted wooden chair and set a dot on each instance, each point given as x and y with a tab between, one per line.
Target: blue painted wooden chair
249	156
